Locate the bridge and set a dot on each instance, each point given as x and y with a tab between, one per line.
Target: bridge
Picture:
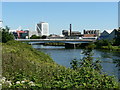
68	42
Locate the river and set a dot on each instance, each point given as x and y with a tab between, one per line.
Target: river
64	56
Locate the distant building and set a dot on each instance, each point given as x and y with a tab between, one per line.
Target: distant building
73	33
66	32
33	33
1	24
42	28
109	34
89	36
20	34
23	34
96	32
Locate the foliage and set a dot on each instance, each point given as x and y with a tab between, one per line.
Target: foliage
55	44
117	39
21	62
44	37
87	61
90	46
38	37
100	43
35	37
89	70
6	36
117	61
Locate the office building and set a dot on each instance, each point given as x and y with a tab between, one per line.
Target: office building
42	28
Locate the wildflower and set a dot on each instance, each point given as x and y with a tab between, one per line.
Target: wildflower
18	82
3	80
31	83
22	81
9	83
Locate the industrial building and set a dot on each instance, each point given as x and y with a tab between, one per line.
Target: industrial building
95	32
71	33
109	34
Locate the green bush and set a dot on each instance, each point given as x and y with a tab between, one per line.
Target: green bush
35	37
6	36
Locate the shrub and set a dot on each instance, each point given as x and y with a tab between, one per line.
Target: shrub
35	37
6	36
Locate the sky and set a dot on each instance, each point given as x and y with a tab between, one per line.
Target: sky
59	15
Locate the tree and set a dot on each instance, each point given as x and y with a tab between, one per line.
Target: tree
35	37
44	37
86	61
6	36
117	39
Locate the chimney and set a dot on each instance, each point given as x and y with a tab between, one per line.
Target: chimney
70	29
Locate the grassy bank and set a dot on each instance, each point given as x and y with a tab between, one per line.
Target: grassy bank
112	48
23	65
106	45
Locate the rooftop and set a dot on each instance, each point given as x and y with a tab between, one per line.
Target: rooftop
109	31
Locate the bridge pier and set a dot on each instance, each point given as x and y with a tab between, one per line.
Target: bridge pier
71	45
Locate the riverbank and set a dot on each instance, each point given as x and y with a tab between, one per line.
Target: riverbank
22	65
111	48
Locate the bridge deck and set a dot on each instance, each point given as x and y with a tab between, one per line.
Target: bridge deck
56	40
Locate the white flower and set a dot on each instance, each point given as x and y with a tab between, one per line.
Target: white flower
9	82
31	83
3	80
18	82
22	81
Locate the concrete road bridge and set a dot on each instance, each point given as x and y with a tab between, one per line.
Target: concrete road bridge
68	42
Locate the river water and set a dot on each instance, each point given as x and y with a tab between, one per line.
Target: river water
64	56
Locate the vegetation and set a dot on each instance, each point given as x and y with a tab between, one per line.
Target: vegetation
35	37
44	37
38	37
55	44
117	39
6	36
104	44
25	67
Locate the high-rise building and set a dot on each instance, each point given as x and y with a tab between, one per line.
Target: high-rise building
1	24
42	28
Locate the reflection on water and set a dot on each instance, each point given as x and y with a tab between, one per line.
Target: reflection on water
64	56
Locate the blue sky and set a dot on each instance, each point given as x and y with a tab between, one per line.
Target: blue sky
82	15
